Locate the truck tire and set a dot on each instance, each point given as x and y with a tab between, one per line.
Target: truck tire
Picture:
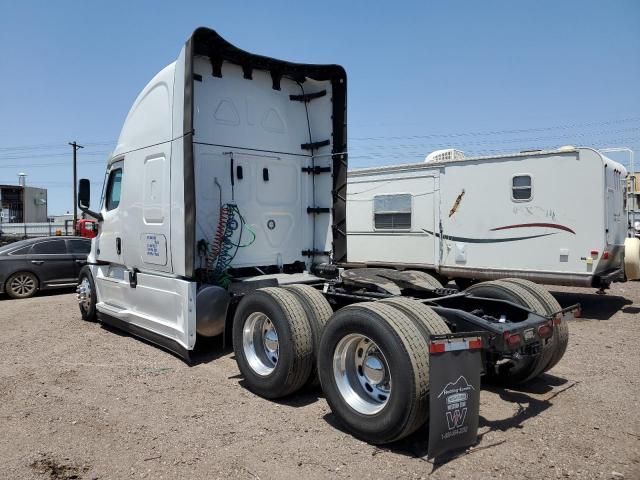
87	298
318	313
21	285
561	331
272	342
515	372
374	370
428	321
426	277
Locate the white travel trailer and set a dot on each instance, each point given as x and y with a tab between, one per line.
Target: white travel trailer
224	214
554	217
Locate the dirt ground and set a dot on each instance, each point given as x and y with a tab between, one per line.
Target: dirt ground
80	401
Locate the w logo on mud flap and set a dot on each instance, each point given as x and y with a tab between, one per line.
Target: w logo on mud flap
456	395
455	419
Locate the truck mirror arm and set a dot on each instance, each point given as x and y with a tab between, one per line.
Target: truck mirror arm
98	216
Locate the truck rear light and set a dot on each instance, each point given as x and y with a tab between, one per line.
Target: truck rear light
546	330
512	340
594	253
453	345
605	255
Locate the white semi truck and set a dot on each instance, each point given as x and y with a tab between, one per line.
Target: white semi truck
224	214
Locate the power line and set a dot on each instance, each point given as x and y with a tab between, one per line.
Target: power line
54	164
371	149
46	155
418	155
500	132
566	138
42	146
434	135
524	143
46	183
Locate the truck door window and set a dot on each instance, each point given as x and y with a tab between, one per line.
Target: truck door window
392	212
114	189
521	188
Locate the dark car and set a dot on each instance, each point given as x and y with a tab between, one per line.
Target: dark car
41	264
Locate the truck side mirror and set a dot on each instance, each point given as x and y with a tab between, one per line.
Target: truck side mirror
84	198
84	194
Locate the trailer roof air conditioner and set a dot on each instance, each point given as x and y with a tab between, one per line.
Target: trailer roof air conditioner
446	155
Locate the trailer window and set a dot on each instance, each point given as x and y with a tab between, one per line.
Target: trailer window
114	189
521	188
392	212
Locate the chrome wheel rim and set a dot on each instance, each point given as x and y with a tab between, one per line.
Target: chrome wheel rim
362	374
84	294
22	285
260	343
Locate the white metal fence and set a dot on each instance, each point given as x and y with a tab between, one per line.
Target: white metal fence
29	230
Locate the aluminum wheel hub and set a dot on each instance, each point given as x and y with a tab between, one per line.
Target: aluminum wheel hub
362	374
84	294
260	343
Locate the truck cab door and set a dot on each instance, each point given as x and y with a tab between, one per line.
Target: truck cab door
109	244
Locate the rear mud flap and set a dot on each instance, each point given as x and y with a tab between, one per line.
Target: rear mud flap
454	399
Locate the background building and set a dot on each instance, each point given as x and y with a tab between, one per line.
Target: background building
20	203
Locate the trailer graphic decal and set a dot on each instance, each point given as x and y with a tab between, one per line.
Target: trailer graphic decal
485	240
545	225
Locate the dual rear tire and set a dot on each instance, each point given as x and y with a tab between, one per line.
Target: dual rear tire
273	342
374	367
372	358
538	300
560	339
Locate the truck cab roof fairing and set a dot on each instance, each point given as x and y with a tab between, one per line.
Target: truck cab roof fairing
208	43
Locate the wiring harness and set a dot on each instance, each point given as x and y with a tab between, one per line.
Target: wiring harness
223	249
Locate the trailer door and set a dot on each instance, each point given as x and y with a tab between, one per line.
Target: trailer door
615	215
610	212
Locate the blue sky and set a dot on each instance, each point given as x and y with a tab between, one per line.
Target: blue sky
483	76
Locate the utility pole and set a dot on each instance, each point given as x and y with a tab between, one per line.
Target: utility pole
75	184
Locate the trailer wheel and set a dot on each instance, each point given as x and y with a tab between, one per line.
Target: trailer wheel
272	342
318	313
86	291
428	321
374	370
426	277
514	372
561	331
